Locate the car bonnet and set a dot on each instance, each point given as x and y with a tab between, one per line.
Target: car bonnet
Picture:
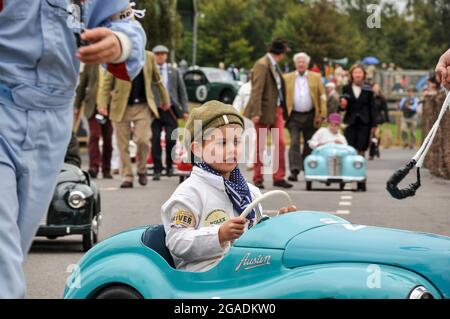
276	233
425	254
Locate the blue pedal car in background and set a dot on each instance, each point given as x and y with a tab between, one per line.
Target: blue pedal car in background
335	164
308	255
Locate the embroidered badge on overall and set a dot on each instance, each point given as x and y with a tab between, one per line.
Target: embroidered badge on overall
216	217
184	219
126	14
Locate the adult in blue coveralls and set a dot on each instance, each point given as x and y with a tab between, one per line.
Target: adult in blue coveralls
41	45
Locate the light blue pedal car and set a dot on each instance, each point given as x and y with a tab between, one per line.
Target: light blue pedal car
335	164
308	255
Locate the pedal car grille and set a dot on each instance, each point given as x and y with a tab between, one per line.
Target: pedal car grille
43	220
334	166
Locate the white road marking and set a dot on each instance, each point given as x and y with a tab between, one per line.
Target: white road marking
346	197
109	189
345	203
343	212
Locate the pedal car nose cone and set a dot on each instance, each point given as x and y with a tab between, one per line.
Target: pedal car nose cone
420	293
77	199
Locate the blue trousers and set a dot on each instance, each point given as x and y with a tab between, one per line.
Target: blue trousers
32	148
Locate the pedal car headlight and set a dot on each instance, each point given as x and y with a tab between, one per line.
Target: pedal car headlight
420	293
77	199
358	164
312	164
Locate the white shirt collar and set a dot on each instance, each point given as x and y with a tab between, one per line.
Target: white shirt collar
272	60
304	75
163	67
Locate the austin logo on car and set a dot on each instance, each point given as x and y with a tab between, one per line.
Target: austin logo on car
248	263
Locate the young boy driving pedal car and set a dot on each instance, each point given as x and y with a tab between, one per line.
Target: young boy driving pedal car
201	218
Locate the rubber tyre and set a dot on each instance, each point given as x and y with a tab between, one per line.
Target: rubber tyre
226	97
89	240
119	293
362	187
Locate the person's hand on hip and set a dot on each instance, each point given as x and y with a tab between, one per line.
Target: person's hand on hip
103	110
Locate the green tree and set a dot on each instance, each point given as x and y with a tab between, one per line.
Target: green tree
159	23
221	33
263	16
321	30
411	39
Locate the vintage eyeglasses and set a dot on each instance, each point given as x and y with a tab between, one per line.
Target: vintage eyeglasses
79	19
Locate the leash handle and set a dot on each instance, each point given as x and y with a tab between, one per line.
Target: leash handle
417	161
393	183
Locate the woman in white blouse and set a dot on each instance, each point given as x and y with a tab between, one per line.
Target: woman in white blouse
330	134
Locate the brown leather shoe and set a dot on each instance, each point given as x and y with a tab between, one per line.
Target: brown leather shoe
143	179
107	175
126	184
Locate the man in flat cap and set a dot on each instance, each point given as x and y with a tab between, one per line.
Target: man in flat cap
168	118
267	109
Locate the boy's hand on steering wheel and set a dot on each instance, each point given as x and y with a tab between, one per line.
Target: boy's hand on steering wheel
286	210
232	229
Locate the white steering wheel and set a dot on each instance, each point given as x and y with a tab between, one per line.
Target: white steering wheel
258	200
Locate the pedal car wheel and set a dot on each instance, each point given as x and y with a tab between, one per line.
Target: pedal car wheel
90	239
362	187
309	186
119	292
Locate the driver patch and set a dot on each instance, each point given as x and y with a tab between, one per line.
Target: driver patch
126	14
216	217
184	219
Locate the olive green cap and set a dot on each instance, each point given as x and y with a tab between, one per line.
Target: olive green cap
212	114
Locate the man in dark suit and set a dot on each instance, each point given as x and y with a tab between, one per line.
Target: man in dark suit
267	109
168	119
